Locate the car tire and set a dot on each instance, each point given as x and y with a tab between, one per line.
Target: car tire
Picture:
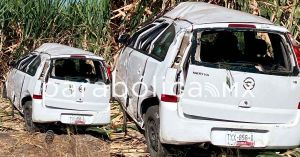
152	126
29	124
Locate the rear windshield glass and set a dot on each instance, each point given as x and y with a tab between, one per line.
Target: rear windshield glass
251	50
78	70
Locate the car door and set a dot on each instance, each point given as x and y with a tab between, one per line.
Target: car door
120	90
159	48
18	79
10	77
136	65
30	78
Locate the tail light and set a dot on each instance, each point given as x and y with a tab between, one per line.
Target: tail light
108	71
295	47
78	56
241	26
169	98
37	96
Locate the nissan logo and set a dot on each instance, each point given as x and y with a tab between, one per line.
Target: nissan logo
249	83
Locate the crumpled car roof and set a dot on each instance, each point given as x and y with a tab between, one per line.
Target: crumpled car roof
55	49
205	13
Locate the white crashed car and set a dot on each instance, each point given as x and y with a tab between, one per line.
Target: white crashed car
203	74
57	83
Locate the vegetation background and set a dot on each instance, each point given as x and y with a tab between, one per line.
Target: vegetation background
94	25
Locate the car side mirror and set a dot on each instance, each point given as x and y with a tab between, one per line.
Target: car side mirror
123	38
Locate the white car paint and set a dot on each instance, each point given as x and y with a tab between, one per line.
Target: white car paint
272	116
22	87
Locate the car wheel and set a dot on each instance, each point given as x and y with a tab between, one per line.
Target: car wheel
30	126
155	148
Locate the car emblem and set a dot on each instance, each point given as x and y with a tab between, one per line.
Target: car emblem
249	83
81	88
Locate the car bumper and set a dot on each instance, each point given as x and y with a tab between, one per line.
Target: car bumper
179	130
42	114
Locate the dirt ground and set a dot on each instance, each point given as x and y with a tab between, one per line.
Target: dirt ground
132	144
105	141
15	141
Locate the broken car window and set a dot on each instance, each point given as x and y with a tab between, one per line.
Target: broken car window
162	44
147	39
79	70
34	66
24	63
242	48
135	36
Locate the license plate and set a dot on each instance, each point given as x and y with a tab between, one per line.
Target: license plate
76	119
240	139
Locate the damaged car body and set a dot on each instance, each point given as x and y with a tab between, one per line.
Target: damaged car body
58	83
206	74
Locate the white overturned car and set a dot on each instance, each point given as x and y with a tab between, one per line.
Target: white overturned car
57	83
204	74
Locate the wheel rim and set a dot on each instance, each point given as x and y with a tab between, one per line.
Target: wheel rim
152	134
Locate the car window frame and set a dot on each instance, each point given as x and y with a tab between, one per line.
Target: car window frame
24	63
20	60
104	77
145	33
133	39
159	37
37	58
213	65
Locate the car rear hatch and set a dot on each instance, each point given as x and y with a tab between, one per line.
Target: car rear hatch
77	83
241	75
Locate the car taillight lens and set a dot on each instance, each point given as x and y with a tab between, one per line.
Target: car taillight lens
237	25
108	71
169	98
37	96
78	56
295	47
297	52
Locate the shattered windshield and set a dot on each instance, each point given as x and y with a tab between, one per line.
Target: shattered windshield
79	70
255	51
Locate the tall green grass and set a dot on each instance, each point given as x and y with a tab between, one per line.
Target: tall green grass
26	24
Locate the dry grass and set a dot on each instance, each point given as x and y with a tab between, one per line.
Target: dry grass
131	145
15	141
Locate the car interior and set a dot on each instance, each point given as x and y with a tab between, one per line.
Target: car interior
256	51
79	70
